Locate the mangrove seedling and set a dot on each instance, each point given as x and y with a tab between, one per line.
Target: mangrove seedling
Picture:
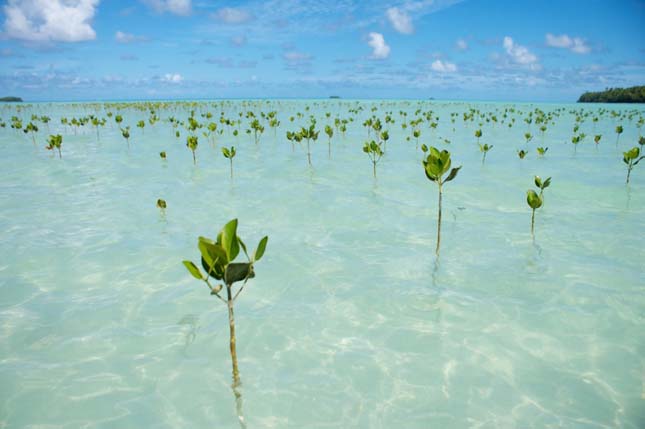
521	153
528	137
31	128
542	150
141	124
619	131
217	258
161	204
309	134
162	154
478	134
631	158
125	132
417	133
435	165
535	202
192	143
484	148
330	133
55	142
229	154
374	151
596	139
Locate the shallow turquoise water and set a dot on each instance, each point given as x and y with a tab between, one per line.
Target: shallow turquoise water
351	321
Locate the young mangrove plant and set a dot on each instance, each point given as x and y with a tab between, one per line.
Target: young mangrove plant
330	133
631	158
229	154
33	129
478	134
484	148
521	153
217	258
125	132
619	131
542	151
535	202
375	152
162	154
55	142
435	165
309	134
161	205
192	143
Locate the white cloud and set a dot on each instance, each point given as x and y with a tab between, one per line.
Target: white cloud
575	44
172	78
294	56
380	49
239	40
231	15
443	66
50	20
400	20
519	54
177	7
122	37
461	44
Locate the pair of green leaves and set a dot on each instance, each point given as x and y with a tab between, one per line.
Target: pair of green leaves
54	141
228	153
437	163
217	256
542	184
485	147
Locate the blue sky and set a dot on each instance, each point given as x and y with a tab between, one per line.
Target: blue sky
446	49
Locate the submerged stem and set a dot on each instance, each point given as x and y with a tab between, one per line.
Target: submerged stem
439	222
231	326
532	221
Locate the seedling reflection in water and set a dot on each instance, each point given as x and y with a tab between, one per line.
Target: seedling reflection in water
229	154
217	258
631	158
435	165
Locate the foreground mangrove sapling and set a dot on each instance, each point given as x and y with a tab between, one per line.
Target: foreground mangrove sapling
217	258
484	148
631	158
435	165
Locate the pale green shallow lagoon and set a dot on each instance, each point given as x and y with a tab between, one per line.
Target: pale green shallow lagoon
351	321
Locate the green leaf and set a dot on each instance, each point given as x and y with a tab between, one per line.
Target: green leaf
533	199
453	173
237	271
259	252
192	269
228	240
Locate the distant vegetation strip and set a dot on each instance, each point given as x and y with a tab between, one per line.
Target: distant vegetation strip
635	94
5	99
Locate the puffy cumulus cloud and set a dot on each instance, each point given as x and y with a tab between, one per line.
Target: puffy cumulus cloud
172	78
574	44
461	44
400	20
50	20
519	54
177	7
232	16
443	66
380	49
122	37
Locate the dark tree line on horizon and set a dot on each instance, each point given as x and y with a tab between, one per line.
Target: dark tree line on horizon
635	94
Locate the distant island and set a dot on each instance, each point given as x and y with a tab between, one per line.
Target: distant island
635	94
11	99
334	96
